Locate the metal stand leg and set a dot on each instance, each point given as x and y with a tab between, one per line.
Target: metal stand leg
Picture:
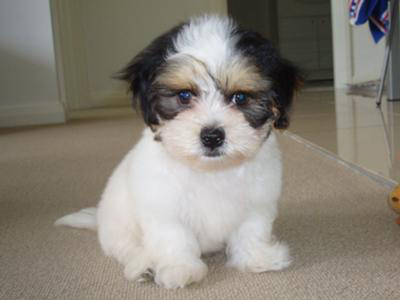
393	16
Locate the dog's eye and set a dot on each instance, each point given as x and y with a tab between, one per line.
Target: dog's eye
239	98
185	96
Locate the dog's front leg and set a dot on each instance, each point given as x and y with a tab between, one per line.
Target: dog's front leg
252	248
175	252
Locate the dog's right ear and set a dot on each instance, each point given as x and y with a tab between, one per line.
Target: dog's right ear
142	70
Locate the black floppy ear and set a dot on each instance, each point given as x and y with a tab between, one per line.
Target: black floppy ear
286	80
285	77
142	70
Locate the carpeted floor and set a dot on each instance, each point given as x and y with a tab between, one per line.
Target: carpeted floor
342	234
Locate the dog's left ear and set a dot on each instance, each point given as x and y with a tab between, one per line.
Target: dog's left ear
287	79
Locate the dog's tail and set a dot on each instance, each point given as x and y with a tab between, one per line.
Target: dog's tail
85	219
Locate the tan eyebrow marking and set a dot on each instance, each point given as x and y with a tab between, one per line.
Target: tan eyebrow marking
239	74
242	75
180	73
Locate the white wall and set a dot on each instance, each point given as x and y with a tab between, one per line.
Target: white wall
29	91
356	57
100	37
367	56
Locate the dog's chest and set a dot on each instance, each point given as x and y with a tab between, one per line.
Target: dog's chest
213	206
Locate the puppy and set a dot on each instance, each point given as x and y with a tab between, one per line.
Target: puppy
206	174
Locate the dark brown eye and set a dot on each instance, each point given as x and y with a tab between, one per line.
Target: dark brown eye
185	96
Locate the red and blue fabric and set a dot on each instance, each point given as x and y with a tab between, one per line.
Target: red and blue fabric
376	12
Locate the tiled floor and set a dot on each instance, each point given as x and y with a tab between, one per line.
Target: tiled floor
352	128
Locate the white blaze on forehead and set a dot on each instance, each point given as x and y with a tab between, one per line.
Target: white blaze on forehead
208	39
209	43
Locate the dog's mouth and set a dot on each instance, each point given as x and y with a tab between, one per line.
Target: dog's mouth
215	153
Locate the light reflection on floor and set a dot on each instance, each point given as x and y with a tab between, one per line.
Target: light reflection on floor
351	127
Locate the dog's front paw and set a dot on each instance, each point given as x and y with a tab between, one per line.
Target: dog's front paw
137	268
180	275
264	257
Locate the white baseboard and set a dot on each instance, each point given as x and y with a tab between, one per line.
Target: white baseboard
108	98
100	99
31	114
103	112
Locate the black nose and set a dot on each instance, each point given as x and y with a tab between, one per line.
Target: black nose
212	137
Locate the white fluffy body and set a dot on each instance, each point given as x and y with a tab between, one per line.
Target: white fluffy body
166	203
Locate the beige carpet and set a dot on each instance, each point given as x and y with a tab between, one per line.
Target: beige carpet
343	237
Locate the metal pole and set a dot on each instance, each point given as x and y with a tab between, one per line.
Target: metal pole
393	16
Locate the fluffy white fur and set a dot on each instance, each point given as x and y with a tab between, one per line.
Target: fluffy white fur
157	213
166	203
